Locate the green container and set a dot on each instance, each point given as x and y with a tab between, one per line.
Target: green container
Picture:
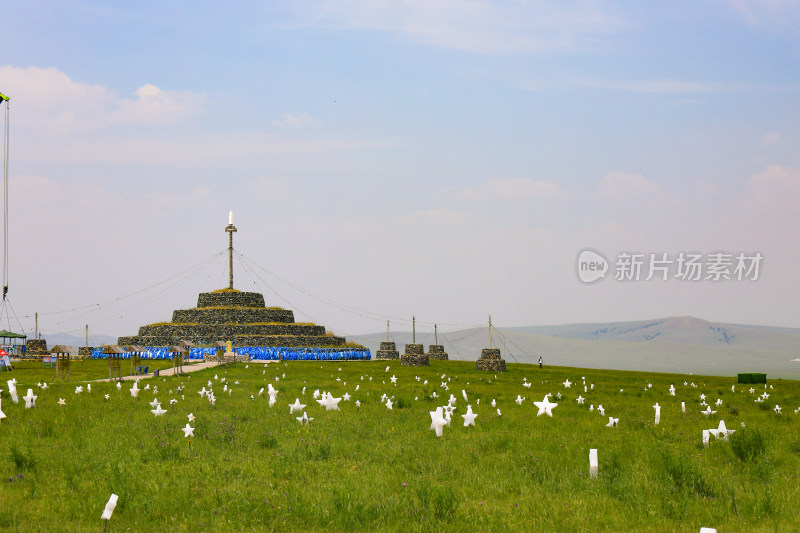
752	378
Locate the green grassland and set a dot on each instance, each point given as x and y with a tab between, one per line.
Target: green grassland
33	372
255	468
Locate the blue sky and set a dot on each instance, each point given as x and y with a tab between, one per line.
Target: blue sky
438	158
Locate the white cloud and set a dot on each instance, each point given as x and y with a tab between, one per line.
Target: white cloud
269	190
522	188
767	13
663	86
771	138
622	186
48	102
776	187
438	217
514	189
295	120
481	26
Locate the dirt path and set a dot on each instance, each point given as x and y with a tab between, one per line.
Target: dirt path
171	371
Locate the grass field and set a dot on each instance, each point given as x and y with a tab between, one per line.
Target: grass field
250	467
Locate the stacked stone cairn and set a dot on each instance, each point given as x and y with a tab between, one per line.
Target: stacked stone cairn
436	351
240	317
388	350
415	356
490	360
36	348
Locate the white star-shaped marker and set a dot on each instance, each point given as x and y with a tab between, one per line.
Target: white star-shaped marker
135	389
718	402
346	397
158	411
296	406
191	417
469	417
387	368
61	401
580	399
612	422
721	432
702	396
79	389
273	395
601	410
30	399
708	411
393	379
304	419
777	409
672	390
499	413
389	404
154	403
331	403
438	421
519	399
752	390
545	406
527	385
567	384
107	396
188	431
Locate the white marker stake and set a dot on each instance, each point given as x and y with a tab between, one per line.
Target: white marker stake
705	438
658	414
707	530
109	510
593	463
683	407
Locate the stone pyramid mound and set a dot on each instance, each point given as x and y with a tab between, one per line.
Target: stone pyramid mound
239	317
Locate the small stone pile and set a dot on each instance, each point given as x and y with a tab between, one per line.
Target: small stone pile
436	351
388	351
490	360
415	356
36	347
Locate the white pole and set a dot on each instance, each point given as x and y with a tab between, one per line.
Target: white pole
593	463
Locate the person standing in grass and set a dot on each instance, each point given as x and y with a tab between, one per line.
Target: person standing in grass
540	361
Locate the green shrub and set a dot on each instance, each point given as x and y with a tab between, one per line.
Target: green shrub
748	444
22	459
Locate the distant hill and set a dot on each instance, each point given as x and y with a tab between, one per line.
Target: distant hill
674	344
76	340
